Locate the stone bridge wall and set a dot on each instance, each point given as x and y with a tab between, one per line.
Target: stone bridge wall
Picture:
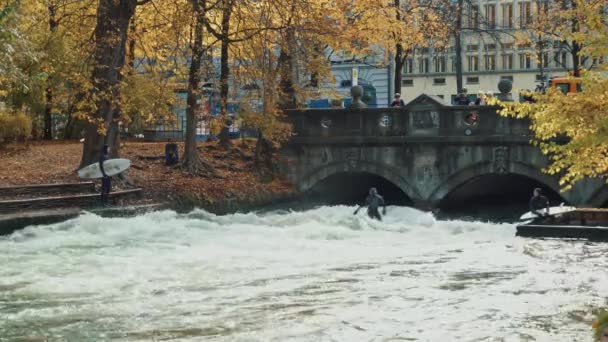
427	149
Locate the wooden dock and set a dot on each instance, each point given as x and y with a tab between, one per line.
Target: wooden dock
585	223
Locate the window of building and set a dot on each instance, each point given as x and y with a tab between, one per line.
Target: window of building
473	63
507	62
507	15
544	59
506	46
472	47
490	16
407	83
597	61
438	81
408	66
490	62
561	59
525	14
524	46
490	47
524	61
423	66
346	83
439	63
542	7
473	17
453	63
510	78
472	80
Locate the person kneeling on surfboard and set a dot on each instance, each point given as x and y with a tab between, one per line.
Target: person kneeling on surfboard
538	202
373	201
105	180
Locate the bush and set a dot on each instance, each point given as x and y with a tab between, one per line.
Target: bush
14	127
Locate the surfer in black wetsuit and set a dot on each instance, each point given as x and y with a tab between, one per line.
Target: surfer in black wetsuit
105	180
373	202
538	202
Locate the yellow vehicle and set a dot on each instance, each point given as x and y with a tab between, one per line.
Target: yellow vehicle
566	84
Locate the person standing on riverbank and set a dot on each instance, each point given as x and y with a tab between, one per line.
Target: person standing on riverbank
373	202
106	184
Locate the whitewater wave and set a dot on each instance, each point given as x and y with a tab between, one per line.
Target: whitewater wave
321	274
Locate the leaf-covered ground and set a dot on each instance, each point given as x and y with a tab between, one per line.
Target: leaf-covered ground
57	162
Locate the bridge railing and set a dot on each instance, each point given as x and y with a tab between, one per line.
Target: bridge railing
422	120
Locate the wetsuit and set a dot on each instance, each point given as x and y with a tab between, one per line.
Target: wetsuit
373	202
105	180
538	203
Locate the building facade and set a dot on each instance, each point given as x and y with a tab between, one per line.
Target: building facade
491	50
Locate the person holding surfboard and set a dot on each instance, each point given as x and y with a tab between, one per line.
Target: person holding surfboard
373	202
106	184
538	202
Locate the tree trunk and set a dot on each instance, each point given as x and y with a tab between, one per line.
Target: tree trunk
399	59
224	74
192	160
48	108
458	47
399	62
264	164
287	91
113	17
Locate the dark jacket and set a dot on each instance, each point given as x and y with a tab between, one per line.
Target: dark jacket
102	158
374	201
398	103
538	203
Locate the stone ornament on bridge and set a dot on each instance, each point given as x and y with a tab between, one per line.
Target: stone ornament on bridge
500	160
385	121
351	156
326	123
425	119
471	119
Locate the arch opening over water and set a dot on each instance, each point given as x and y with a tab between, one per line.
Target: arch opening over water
496	197
351	188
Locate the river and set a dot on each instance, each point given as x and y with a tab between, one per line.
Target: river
316	275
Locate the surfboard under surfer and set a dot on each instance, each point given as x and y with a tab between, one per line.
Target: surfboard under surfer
373	202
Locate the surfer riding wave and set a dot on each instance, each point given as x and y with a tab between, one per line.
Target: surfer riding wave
373	202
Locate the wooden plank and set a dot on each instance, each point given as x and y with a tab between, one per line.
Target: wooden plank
80	201
11	222
46	189
563	232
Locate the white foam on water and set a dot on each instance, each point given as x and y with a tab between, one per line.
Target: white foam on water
322	274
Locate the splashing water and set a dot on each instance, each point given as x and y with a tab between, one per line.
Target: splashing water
318	275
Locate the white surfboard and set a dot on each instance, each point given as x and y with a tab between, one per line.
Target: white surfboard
112	167
552	211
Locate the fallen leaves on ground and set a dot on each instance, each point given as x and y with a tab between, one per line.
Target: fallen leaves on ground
57	162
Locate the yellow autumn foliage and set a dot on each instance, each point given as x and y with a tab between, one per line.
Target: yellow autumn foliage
14	126
571	129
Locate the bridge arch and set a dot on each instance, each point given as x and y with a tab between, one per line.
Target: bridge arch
387	172
599	198
485	169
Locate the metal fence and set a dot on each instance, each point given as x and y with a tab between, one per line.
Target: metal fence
177	131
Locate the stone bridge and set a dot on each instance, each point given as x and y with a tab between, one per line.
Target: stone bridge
430	151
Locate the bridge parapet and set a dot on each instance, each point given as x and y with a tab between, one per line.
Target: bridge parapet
423	118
